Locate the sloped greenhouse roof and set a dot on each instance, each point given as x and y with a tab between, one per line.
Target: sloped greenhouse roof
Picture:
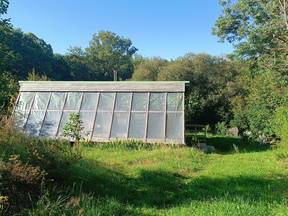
150	111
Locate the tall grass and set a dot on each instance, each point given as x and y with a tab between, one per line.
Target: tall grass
134	178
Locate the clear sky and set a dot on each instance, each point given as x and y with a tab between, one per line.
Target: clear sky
165	28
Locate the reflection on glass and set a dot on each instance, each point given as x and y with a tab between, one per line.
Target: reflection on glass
90	100
106	101
123	101
119	125
139	102
157	102
73	101
56	101
156	126
174	102
137	125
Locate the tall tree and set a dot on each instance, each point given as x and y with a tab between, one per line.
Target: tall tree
110	56
259	31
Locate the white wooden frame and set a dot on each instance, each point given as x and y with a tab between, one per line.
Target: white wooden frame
115	87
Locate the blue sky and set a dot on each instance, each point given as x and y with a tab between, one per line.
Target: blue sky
168	29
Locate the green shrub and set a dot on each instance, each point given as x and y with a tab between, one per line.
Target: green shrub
280	124
21	184
221	128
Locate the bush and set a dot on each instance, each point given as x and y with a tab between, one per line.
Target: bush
21	184
27	163
221	128
280	124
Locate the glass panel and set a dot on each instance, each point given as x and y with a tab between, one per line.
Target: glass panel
119	125
88	119
174	125
106	101
25	101
22	108
102	124
41	101
137	125
50	125
73	101
139	102
157	102
21	117
123	101
56	101
64	120
175	102
34	123
155	126
89	101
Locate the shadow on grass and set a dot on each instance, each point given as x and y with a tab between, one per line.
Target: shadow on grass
225	144
161	189
232	144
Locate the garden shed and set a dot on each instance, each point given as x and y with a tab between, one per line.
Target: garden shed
149	111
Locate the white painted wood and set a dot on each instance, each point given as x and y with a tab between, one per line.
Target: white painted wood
103	86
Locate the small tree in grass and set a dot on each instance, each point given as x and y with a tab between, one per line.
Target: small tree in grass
73	129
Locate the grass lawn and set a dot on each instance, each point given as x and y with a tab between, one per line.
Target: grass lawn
172	181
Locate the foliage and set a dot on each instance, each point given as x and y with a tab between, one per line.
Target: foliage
73	129
21	184
33	76
280	124
27	164
110	56
148	69
221	128
3	10
8	92
211	83
258	30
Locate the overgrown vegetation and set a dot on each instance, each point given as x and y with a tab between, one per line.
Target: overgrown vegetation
247	89
43	177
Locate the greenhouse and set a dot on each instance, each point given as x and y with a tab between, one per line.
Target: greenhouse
149	111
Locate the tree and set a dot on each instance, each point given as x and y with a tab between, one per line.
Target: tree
3	10
77	62
110	56
148	69
258	29
259	32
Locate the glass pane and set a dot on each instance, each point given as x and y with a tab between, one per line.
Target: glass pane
137	125
106	101
89	101
34	123
139	102
88	120
120	125
102	124
64	120
25	101
157	102
21	117
175	102
56	101
123	101
155	126
73	101
51	122
174	126
41	101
